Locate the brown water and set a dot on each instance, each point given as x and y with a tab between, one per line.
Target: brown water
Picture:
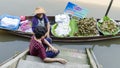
107	52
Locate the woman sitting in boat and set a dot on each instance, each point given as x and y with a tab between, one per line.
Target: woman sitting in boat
40	19
40	47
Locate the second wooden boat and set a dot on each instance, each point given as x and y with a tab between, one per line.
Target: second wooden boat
64	39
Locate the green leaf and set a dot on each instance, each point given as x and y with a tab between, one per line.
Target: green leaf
74	27
106	18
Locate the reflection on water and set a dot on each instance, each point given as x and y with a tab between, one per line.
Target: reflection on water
105	43
7	37
108	57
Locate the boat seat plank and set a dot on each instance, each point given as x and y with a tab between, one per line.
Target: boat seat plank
33	58
30	64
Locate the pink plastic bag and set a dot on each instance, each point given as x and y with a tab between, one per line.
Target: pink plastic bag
25	25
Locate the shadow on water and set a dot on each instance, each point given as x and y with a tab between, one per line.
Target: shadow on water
92	44
7	37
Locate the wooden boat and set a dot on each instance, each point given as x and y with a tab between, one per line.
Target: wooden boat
65	39
84	59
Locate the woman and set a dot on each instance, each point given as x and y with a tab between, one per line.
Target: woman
40	47
40	19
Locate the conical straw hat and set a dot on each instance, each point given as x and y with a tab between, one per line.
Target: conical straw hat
39	10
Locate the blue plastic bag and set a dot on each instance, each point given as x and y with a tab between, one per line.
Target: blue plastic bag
10	24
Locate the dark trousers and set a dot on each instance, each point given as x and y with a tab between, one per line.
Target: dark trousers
50	54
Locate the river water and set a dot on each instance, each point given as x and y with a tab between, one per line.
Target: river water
105	51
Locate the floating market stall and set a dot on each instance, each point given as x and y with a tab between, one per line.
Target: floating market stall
70	38
70	28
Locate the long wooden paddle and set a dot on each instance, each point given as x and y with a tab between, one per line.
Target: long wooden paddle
109	8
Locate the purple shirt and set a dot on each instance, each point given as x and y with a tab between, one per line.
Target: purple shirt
35	21
37	49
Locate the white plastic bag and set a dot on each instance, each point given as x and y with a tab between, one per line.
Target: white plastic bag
62	18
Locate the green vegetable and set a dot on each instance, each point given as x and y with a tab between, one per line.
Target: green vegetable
106	18
108	26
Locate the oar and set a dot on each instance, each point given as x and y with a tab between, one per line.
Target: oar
108	7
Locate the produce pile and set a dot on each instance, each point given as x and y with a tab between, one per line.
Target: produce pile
87	27
108	26
61	28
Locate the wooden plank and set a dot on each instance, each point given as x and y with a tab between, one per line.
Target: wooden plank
92	62
97	63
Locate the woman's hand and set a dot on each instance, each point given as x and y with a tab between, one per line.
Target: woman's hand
47	35
53	49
